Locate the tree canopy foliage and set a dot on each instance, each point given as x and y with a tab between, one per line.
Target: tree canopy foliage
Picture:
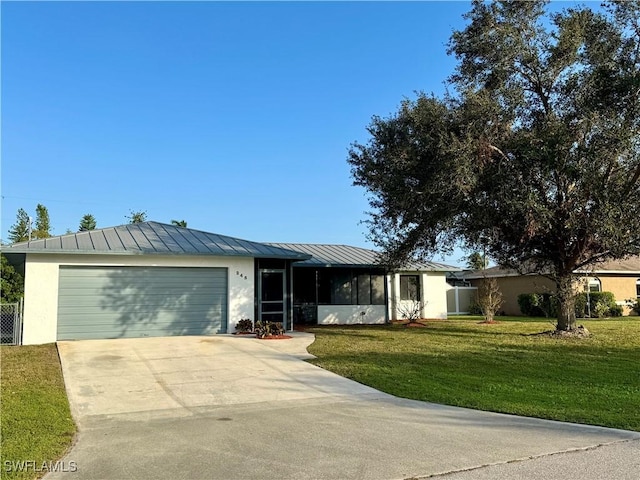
137	217
179	223
43	224
19	231
12	282
534	154
477	261
87	222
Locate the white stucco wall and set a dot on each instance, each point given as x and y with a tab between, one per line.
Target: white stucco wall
351	314
41	286
433	287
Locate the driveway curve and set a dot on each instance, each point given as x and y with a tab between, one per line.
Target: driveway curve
232	407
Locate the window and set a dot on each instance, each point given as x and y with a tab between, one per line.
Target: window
410	287
638	288
594	285
343	286
377	289
364	289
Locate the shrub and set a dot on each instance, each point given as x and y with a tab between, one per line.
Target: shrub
474	309
267	329
245	325
581	305
537	304
601	304
615	311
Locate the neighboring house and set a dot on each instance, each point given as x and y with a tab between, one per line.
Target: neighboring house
620	277
154	279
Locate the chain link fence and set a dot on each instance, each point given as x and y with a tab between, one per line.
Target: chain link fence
11	323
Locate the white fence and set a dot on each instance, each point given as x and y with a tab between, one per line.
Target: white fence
459	299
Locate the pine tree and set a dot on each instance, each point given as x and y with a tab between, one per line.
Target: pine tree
43	227
87	222
19	231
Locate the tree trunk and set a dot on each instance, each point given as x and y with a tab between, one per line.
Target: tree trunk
566	303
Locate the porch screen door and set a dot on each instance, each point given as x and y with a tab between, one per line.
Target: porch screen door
272	305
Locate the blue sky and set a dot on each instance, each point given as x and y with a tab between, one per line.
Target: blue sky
235	117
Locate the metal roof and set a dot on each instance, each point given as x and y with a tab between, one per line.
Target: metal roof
152	238
325	255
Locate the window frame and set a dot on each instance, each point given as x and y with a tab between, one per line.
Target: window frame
405	295
350	281
594	282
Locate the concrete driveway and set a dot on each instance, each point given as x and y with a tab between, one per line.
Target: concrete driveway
228	407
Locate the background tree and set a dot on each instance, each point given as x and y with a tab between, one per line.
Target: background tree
136	217
534	156
477	261
179	223
12	283
87	222
43	225
19	231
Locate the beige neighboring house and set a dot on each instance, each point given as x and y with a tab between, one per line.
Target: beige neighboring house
620	277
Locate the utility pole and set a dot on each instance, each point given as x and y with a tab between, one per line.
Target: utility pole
29	227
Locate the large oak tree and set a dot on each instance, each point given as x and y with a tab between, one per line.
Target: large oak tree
534	155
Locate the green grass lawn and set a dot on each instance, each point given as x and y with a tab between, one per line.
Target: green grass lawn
500	368
35	418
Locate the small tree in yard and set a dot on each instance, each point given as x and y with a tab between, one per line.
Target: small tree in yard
489	299
411	310
534	154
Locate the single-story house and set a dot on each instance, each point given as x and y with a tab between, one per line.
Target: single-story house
620	277
154	279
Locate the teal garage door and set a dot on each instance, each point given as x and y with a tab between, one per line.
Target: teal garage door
119	302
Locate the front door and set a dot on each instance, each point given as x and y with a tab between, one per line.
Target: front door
272	288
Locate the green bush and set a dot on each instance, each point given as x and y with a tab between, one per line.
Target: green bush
537	304
474	309
601	304
12	283
581	305
615	311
